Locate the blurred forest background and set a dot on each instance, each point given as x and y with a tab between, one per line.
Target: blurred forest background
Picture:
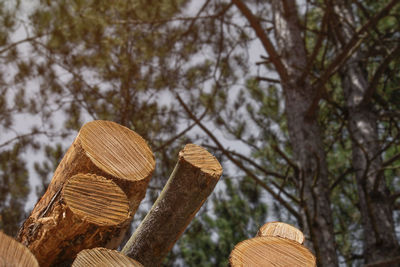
300	100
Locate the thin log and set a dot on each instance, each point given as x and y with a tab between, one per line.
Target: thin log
193	179
13	253
271	251
102	257
102	148
281	229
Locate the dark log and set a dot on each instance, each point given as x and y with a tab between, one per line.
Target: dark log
193	179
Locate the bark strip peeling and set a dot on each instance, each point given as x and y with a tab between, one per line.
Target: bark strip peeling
193	179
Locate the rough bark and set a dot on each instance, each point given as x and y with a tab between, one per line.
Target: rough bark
13	253
193	179
290	59
101	148
305	134
102	257
271	251
282	230
92	211
380	242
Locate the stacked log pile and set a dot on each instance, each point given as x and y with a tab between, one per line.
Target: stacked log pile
95	192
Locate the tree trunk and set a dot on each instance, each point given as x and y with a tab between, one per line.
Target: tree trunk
103	257
380	242
271	251
13	253
61	222
305	134
290	59
193	179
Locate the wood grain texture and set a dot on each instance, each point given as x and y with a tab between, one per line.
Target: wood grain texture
13	253
96	200
102	257
281	229
90	212
193	179
102	148
271	251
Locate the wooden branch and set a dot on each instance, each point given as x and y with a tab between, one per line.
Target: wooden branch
316	49
103	257
373	84
193	179
263	37
250	161
271	251
28	39
102	148
13	253
349	48
266	79
174	138
281	229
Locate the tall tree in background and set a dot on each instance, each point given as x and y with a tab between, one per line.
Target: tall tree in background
289	57
380	241
314	75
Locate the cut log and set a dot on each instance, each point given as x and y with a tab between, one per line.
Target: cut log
271	251
281	229
13	253
102	257
91	211
193	179
96	200
102	148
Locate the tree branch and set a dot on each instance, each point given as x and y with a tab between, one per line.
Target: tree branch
352	45
266	172
265	79
340	178
378	73
19	137
266	42
18	43
171	140
317	47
